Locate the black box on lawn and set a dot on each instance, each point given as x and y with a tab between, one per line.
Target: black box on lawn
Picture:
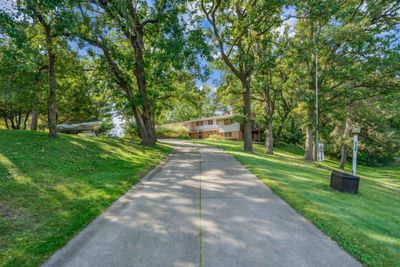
344	182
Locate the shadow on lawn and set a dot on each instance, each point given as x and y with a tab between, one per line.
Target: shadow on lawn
162	215
56	186
365	224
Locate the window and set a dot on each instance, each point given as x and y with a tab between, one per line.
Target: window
210	122
228	134
227	121
199	123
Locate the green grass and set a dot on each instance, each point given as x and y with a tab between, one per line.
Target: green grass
51	189
366	225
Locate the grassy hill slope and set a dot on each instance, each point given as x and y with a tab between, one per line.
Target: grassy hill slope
50	189
367	225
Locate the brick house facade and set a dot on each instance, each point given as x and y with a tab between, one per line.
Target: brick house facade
223	126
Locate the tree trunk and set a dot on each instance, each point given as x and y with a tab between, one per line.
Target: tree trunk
344	146
144	135
52	101
309	149
149	136
12	122
139	121
343	156
34	120
309	136
6	121
269	140
277	140
26	119
16	120
248	142
35	112
19	119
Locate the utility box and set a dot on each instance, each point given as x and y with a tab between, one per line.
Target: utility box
344	182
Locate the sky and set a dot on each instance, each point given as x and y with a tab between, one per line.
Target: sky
8	5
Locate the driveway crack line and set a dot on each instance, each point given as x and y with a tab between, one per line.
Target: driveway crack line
200	214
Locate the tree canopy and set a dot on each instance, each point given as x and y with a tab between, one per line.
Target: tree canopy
150	61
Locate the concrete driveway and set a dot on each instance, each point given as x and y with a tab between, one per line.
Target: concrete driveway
201	208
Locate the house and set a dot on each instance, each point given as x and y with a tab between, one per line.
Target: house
223	126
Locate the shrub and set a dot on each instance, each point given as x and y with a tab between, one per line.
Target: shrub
215	136
131	130
172	131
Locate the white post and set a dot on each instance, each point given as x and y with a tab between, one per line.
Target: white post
355	143
321	152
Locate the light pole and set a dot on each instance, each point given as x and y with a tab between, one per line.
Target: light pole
356	131
317	158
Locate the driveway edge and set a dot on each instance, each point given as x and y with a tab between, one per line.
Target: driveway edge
61	256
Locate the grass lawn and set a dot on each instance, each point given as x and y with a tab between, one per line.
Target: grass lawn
366	225
50	189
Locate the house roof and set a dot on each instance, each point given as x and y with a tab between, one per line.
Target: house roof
219	117
225	116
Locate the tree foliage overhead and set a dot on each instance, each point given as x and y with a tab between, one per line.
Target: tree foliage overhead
70	61
235	26
357	44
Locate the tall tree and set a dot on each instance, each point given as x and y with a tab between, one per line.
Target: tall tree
270	78
313	16
143	48
133	20
234	25
52	102
50	16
